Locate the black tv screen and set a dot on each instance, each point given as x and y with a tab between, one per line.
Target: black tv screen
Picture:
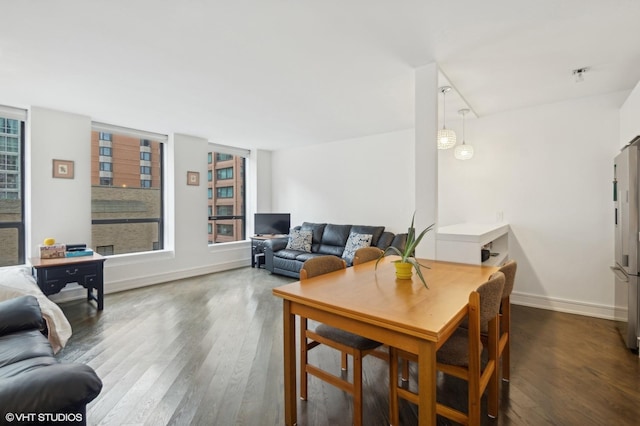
272	223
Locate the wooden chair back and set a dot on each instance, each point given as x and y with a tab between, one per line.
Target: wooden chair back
321	265
366	254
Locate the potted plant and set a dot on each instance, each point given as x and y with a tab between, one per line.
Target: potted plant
407	261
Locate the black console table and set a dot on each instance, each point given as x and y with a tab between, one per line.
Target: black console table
257	248
52	275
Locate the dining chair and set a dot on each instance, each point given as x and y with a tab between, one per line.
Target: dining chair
460	356
504	350
509	271
366	254
347	343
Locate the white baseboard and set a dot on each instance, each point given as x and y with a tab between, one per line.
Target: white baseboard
564	305
76	292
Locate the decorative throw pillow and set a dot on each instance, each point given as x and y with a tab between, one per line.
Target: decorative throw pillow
300	240
355	242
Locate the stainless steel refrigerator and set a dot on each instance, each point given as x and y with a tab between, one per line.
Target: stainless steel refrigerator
626	194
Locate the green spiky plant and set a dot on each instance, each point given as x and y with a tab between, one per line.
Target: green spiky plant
407	254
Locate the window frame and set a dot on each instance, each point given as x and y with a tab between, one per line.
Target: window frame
219	154
20	226
163	140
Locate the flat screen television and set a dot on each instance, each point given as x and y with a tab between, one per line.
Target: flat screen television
271	223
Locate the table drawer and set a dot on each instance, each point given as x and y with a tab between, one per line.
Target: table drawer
52	286
69	273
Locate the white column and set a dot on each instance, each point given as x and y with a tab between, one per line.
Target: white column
426	156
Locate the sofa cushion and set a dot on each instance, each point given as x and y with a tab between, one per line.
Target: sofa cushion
336	235
334	239
317	229
288	254
399	241
375	231
299	240
385	240
20	346
355	242
303	257
20	313
292	265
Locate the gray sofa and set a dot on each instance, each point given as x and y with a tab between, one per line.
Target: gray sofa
327	239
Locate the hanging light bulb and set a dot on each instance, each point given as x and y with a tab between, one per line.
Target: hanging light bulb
463	151
446	137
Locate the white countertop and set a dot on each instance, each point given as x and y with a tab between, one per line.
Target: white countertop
472	232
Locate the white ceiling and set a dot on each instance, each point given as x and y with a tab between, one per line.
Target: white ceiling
276	73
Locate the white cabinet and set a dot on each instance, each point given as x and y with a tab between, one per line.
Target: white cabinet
463	243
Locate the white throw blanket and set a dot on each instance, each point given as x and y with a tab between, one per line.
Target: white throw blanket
16	281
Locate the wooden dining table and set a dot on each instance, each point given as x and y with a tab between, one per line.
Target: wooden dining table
373	303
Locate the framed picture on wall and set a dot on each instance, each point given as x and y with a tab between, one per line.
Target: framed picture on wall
63	169
193	178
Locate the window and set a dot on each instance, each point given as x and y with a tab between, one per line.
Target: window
226	230
226	173
226	194
105	151
105	250
104	136
12	226
223	157
224	211
127	192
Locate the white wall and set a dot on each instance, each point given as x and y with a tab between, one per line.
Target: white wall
63	202
61	208
363	181
630	117
549	170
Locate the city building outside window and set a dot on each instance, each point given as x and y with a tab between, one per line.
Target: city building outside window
12	226
126	190
226	173
225	192
104	250
226	189
224	210
226	230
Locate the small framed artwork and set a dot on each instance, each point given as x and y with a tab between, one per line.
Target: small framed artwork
193	178
63	169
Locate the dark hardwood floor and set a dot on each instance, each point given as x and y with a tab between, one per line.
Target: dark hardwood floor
208	351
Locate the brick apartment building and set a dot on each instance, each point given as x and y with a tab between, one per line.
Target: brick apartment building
126	193
226	198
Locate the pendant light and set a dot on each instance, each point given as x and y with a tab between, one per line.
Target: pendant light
463	151
446	137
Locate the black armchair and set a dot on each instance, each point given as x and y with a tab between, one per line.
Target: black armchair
32	381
